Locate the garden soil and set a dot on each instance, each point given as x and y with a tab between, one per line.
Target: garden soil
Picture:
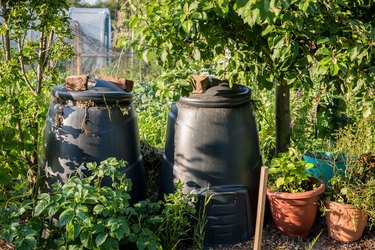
274	240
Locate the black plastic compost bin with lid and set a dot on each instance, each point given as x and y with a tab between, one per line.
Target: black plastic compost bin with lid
212	146
91	126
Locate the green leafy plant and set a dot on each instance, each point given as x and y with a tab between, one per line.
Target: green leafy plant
84	214
176	218
152	102
171	219
272	44
33	40
287	173
17	225
199	228
355	185
314	241
93	215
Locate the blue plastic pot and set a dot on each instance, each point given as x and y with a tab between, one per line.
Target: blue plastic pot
325	164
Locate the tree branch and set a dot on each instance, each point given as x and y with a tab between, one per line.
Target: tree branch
41	59
48	49
6	46
22	66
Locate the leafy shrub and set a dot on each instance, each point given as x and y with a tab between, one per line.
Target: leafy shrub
355	185
153	101
82	213
34	37
287	173
22	116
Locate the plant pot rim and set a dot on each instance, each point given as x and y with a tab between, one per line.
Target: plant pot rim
300	195
345	205
325	156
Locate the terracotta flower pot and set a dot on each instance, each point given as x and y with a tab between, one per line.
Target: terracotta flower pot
294	213
345	223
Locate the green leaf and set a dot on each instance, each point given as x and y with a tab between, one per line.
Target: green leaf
343	67
187	25
40	207
299	24
325	61
70	231
367	112
44	196
164	55
196	54
323	51
98	228
268	29
85	219
77	230
186	8
290	179
280	181
5	177
85	239
133	22
308	166
66	216
98	209
304	5
111	244
354	53
322	40
334	69
322	70
344	191
146	56
100	239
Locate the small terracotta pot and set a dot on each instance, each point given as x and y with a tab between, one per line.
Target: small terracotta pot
294	213
345	223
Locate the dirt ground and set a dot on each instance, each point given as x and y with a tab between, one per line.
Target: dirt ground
273	239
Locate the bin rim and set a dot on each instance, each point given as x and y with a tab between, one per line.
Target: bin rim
219	96
101	92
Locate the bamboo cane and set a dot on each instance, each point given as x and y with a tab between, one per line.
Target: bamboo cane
261	208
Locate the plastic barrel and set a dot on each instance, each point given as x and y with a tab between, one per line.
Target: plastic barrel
212	146
91	126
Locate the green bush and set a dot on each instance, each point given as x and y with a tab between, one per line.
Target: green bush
287	173
152	102
83	214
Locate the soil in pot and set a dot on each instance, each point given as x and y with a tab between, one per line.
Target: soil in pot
294	213
345	223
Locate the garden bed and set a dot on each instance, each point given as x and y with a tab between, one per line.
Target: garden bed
273	239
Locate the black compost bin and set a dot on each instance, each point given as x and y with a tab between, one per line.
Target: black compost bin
212	146
91	126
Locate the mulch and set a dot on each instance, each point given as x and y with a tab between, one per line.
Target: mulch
274	240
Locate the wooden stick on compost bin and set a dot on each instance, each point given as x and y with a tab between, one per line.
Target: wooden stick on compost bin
261	208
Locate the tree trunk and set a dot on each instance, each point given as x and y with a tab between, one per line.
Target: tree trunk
6	39
282	117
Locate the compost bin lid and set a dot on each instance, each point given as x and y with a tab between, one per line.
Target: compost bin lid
219	96
100	92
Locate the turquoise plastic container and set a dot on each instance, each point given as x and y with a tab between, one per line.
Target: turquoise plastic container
325	164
